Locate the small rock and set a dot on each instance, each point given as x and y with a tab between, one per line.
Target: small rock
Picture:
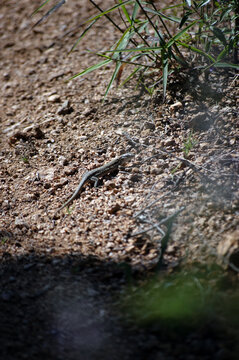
65	108
129	199
175	106
62	160
46	174
82	138
215	109
203	145
135	177
56	75
228	250
129	248
6	205
20	223
188	98
149	125
54	98
86	111
6	76
114	209
232	141
110	245
29	197
169	142
157	171
39	134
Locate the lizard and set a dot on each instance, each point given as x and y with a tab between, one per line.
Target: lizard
94	174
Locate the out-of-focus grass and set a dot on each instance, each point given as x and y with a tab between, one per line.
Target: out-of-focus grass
188	299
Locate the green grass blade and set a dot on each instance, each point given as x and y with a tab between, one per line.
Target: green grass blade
162	41
39	8
139	48
225	13
110	10
185	18
131	75
117	67
222	54
178	35
124	40
142	25
219	34
82	35
226	65
125	12
130	62
173	6
203	3
135	11
51	11
166	17
165	72
91	68
198	51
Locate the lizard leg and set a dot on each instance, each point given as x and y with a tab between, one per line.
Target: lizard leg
95	179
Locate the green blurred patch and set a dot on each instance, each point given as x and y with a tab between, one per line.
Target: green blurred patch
188	299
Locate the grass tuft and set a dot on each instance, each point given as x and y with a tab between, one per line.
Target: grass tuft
198	34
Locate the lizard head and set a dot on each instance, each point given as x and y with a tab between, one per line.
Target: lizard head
126	157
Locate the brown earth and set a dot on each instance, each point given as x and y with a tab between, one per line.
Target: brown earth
61	280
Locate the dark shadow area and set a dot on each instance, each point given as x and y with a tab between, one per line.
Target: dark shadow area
71	308
59	308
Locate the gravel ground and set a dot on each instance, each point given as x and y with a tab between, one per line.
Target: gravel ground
63	282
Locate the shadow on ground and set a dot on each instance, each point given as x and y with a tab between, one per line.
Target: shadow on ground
69	308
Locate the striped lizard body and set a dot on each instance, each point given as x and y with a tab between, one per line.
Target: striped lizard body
94	174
